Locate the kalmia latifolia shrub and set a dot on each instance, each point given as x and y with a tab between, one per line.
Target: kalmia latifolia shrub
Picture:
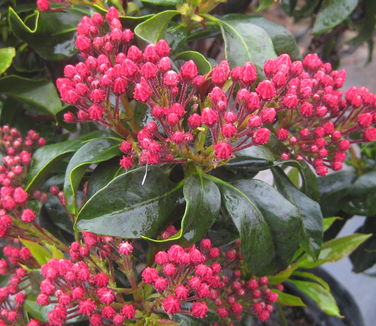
206	119
193	119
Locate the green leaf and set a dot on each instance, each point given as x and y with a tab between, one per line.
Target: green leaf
333	190
203	202
41	93
102	175
154	28
283	40
202	63
145	199
50	34
309	211
334	250
264	4
39	253
6	58
320	295
266	221
364	256
55	253
332	13
244	41
286	299
328	222
92	152
312	277
47	157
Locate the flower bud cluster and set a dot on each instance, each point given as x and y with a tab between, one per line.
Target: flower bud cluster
12	297
192	281
78	290
317	122
185	111
15	162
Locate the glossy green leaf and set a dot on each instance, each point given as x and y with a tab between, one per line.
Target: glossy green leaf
41	93
202	63
283	40
6	58
334	250
320	295
92	152
39	253
47	157
245	41
286	299
266	221
203	202
309	212
332	13
154	28
50	34
333	190
364	256
145	199
102	175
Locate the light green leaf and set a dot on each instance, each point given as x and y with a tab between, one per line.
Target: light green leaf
320	295
154	28
6	58
39	253
286	299
202	63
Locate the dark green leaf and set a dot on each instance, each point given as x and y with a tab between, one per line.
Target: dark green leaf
6	58
47	157
333	190
245	41
332	13
202	63
320	295
334	250
309	211
203	202
102	175
35	310
266	221
41	93
50	34
154	28
283	40
92	152
368	27
144	200
286	299
364	256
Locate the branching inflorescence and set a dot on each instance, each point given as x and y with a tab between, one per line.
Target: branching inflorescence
205	119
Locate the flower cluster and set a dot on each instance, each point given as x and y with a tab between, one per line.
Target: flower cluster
12	298
192	281
15	162
205	119
79	291
316	121
186	112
